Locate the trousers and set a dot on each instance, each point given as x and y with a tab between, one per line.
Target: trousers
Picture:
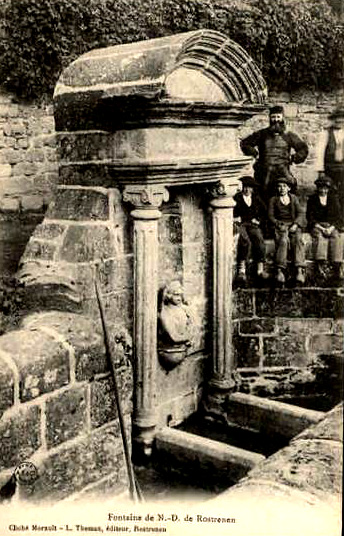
251	243
285	242
327	248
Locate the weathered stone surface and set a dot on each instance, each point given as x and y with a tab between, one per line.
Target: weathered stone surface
103	405
247	351
6	386
300	303
329	428
75	465
256	326
39	249
49	231
43	363
285	350
311	465
86	243
207	457
184	378
83	334
66	415
79	204
326	343
32	202
243	304
306	326
19	435
50	285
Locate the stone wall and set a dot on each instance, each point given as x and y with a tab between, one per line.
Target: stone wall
281	336
57	406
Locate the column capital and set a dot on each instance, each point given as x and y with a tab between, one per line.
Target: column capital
145	197
221	193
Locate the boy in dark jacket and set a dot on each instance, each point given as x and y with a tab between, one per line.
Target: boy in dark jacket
251	212
286	218
325	221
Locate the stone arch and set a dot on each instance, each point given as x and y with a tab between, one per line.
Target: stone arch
226	63
220	71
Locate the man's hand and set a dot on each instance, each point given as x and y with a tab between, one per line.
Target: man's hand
256	222
293	228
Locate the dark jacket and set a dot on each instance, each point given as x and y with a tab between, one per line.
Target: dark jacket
274	210
257	210
274	152
317	213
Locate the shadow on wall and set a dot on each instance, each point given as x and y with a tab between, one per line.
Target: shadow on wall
14	235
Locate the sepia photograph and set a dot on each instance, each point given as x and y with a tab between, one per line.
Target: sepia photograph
171	267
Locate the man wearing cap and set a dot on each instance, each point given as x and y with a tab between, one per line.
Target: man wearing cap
325	221
330	151
275	149
286	218
251	212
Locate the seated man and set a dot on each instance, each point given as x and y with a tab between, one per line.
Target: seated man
285	216
324	219
251	212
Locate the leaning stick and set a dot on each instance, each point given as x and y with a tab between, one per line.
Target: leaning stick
135	492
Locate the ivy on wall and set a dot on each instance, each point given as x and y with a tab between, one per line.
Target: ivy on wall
296	44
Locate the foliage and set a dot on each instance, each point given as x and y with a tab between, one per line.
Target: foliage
296	44
11	297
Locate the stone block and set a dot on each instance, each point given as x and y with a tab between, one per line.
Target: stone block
35	155
19	435
66	415
39	249
313	466
326	343
247	351
269	416
330	428
80	205
285	351
83	334
24	168
49	231
243	305
5	170
14	156
206	457
256	326
7	382
43	363
305	326
73	466
86	243
103	404
9	204
116	275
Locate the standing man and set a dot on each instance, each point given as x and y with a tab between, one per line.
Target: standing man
330	152
275	149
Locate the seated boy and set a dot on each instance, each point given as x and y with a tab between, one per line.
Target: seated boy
324	219
251	212
285	216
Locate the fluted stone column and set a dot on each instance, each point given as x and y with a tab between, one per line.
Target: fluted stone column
222	204
146	200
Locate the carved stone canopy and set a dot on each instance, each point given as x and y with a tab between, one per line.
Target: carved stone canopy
106	87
